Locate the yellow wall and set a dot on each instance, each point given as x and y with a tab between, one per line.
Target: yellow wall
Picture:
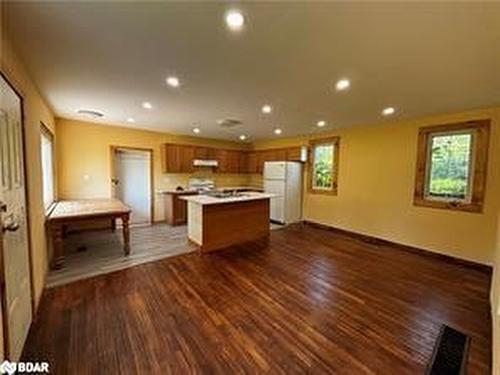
375	190
35	111
495	305
84	149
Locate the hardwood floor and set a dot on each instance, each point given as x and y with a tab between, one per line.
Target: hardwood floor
309	301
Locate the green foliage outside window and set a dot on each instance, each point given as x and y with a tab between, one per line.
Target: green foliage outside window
323	166
450	164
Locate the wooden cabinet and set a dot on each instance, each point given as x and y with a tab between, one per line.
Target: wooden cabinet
294	154
243	162
179	158
187	157
230	161
172	162
252	162
279	154
222	159
204	153
176	208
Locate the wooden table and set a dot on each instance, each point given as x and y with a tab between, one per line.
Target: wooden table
83	211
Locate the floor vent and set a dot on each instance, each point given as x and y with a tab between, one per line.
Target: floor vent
450	353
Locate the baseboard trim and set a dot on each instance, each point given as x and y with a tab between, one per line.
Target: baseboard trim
383	242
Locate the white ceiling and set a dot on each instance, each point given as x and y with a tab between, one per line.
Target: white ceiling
111	56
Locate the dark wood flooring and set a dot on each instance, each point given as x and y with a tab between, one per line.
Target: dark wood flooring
311	301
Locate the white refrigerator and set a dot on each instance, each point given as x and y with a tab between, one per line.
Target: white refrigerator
284	178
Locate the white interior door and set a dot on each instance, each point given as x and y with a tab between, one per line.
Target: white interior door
133	183
16	289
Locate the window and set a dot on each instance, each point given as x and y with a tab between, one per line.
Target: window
451	166
324	165
47	147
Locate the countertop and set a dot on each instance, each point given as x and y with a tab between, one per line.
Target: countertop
178	192
240	188
222	188
206	199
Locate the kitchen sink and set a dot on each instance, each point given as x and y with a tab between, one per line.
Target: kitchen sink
227	194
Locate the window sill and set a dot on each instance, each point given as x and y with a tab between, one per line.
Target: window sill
49	209
322	192
447	205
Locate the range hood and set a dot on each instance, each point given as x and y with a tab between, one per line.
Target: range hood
205	163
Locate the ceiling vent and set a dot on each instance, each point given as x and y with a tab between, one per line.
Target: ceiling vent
90	113
229	122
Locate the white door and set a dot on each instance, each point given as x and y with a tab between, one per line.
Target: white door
133	183
16	285
277	205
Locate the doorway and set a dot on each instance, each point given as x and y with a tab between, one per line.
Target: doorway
132	181
15	278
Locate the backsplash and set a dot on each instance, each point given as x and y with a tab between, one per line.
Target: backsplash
172	180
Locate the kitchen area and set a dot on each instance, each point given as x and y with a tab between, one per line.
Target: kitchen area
202	199
231	196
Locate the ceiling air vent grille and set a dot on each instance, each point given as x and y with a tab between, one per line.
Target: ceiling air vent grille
90	113
229	122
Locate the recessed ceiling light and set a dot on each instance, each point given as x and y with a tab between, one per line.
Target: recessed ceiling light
130	119
388	111
173	81
147	105
196	130
235	20
342	84
267	109
90	113
277	131
321	123
243	137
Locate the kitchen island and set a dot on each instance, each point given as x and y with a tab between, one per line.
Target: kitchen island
217	222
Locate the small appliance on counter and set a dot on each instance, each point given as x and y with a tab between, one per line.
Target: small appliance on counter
201	185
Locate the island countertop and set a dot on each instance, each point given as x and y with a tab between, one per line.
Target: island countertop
243	197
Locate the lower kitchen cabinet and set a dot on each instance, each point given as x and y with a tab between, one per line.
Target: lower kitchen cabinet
176	208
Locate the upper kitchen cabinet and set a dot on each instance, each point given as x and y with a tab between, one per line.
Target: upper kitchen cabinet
279	154
178	158
243	162
204	153
252	162
229	161
298	153
187	157
171	159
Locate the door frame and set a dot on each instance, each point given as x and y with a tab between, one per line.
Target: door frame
5	321
113	149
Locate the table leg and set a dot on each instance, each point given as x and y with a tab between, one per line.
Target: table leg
58	246
113	225
126	234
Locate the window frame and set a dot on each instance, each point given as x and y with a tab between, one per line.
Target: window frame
45	132
474	200
335	141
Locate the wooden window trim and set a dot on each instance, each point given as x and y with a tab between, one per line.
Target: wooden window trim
45	131
310	163
480	163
